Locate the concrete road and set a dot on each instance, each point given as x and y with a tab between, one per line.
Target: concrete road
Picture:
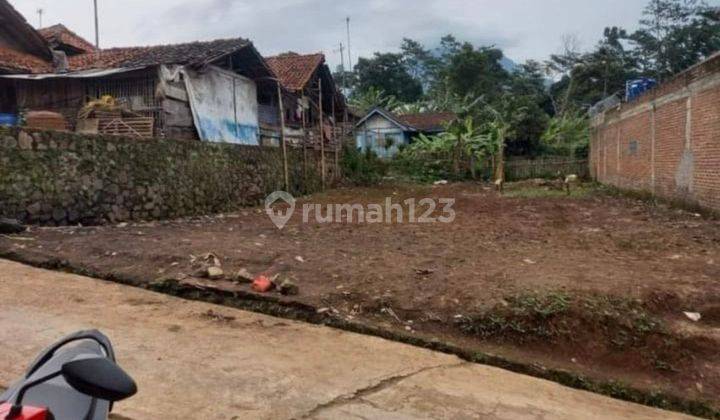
195	360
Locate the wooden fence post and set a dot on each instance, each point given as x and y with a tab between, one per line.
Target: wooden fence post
335	141
322	135
282	138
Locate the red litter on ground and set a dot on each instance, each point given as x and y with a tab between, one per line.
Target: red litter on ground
262	284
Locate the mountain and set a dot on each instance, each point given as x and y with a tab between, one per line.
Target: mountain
508	64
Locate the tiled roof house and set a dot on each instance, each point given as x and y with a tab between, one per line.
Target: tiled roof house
61	38
303	75
384	132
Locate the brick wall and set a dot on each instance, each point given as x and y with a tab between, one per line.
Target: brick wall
55	178
667	142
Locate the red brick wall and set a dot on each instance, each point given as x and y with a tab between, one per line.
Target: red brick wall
667	142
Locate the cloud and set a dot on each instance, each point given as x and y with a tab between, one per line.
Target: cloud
523	28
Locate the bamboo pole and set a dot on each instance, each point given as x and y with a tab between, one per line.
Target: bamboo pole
335	141
322	136
282	138
304	144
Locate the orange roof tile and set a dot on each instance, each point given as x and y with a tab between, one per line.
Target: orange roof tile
62	35
427	121
18	62
189	53
295	70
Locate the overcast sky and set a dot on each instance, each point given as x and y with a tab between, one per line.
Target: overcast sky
524	29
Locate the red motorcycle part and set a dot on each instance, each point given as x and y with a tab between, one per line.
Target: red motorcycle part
27	413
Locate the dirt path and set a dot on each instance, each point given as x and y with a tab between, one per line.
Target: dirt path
196	360
592	285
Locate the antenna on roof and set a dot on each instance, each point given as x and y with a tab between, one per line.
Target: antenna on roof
40	13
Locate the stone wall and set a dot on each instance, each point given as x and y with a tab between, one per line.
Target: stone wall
666	143
55	178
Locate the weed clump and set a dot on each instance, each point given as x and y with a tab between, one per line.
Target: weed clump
558	317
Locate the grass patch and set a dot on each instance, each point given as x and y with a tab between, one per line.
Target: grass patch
616	322
653	201
546	192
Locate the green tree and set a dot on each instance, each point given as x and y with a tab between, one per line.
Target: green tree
366	100
463	145
387	72
592	76
473	71
419	62
674	35
528	88
568	135
501	120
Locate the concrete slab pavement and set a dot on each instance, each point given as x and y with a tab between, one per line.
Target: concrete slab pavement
196	360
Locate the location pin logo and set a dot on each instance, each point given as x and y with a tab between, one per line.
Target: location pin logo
280	219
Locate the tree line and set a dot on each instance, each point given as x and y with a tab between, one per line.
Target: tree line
539	106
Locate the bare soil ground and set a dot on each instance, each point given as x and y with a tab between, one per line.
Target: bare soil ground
592	284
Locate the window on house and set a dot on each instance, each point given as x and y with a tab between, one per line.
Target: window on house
390	141
634	146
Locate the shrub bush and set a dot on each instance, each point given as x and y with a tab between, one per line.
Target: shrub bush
362	168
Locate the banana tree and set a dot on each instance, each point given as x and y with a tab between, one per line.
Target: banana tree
371	98
462	138
568	133
501	120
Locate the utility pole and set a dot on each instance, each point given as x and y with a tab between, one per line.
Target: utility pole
97	27
350	63
40	13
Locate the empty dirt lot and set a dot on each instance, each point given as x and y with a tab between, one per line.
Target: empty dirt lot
591	284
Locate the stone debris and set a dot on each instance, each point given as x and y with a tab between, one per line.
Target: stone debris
243	276
11	226
205	260
289	288
215	273
693	316
214	316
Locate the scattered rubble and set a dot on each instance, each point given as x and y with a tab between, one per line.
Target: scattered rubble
288	288
243	276
693	316
214	316
11	226
262	284
215	273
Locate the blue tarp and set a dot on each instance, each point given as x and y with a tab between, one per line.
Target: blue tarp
8	119
224	106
